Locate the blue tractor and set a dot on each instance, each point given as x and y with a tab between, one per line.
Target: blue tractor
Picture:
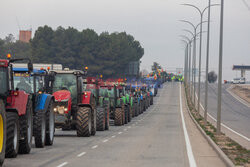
43	118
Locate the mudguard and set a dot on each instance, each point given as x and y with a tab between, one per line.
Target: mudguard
42	102
18	101
86	98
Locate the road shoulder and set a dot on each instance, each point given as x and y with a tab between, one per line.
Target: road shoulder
204	154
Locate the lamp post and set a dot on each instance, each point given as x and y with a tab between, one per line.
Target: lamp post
194	54
185	60
220	69
201	12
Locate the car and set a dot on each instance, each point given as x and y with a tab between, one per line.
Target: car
240	80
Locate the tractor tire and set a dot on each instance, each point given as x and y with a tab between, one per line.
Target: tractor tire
151	100
26	130
50	125
83	122
118	117
40	129
144	105
93	123
2	132
13	135
133	111
136	109
130	110
126	111
100	119
107	119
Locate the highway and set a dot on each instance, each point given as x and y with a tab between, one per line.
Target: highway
154	138
235	115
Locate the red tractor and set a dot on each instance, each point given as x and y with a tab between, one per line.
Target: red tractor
18	106
75	108
102	102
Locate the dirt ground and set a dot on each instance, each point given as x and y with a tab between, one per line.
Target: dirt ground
242	91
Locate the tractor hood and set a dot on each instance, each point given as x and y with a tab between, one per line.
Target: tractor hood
62	95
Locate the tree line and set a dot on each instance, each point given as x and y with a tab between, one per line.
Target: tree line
107	53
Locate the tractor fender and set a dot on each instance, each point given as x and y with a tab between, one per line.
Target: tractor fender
88	100
18	103
43	101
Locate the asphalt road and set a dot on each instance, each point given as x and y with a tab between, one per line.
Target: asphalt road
154	138
234	114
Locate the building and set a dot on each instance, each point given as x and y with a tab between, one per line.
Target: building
25	35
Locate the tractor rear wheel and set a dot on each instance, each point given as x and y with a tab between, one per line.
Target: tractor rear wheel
40	128
151	100
2	132
118	117
13	135
93	123
126	110
50	125
26	130
83	122
100	119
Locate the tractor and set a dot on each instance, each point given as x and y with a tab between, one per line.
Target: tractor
116	103
18	106
42	103
102	103
75	108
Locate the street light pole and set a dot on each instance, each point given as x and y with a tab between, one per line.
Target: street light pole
201	12
207	62
220	69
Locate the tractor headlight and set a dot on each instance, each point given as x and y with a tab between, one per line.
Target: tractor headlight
55	109
65	109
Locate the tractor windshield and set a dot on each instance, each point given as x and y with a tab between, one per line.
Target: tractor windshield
3	81
23	81
66	82
104	92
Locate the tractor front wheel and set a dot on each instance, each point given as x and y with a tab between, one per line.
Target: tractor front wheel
40	129
100	119
83	122
50	125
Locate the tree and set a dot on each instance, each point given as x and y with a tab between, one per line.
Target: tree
212	77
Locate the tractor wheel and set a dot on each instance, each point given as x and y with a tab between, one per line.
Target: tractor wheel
130	110
13	135
50	125
144	105
2	132
151	100
26	130
100	119
93	123
136	109
126	110
118	117
107	118
40	129
83	122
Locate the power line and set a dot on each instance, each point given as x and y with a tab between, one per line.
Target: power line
246	4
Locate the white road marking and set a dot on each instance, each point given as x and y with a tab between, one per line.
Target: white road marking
129	127
125	129
119	133
104	141
191	159
94	146
81	154
225	126
62	164
113	136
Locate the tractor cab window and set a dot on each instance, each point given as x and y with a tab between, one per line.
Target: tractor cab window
39	83
23	81
66	82
91	87
3	81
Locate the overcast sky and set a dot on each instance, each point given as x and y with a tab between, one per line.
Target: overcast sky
152	22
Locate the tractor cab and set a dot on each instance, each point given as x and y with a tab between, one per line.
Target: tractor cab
71	99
